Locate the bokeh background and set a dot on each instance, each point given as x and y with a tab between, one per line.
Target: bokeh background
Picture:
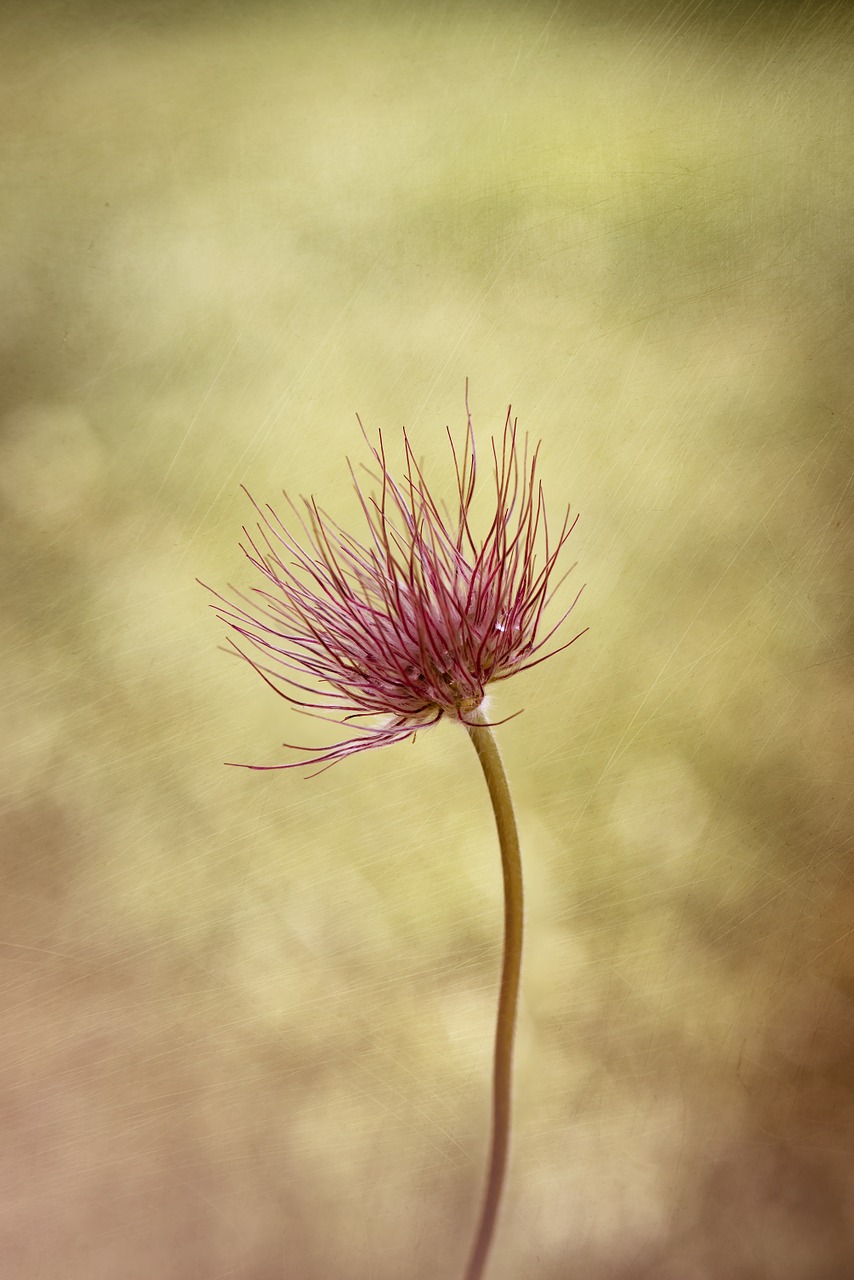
247	1018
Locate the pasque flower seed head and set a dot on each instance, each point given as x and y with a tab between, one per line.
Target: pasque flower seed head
412	621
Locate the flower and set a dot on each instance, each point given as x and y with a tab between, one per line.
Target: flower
416	620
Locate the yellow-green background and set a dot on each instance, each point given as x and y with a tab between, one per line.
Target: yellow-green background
247	1018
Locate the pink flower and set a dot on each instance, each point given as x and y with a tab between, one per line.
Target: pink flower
416	620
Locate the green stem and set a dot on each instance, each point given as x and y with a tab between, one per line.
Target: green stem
508	839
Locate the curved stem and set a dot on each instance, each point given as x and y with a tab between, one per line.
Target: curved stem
508	839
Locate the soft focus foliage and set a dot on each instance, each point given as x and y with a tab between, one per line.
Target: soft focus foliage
247	1018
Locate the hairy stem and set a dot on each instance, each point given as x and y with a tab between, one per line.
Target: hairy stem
508	839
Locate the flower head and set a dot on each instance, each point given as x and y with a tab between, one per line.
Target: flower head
412	622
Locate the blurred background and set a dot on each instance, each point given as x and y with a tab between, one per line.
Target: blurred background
247	1018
